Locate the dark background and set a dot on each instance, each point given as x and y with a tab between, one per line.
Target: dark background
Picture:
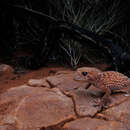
23	34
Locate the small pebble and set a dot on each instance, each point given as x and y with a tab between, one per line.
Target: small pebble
126	95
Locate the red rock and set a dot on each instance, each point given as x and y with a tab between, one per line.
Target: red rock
31	108
121	110
64	72
84	102
95	91
10	100
5	69
43	110
38	83
62	80
8	127
17	93
94	124
65	82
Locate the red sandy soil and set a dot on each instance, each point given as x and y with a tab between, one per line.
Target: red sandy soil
14	80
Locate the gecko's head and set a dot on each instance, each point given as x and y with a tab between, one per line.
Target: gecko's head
88	74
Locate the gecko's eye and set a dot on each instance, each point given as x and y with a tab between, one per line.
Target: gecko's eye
84	73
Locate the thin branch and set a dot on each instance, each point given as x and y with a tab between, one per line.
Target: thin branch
18	7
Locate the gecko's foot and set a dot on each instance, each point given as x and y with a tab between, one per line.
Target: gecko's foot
100	105
97	102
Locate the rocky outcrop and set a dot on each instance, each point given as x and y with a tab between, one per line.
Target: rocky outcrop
120	111
61	80
49	108
38	83
60	103
8	127
84	103
35	107
94	124
5	70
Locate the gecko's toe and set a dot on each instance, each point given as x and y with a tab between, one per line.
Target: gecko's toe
100	105
97	104
100	108
97	101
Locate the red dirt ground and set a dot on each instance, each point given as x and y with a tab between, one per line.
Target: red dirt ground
14	80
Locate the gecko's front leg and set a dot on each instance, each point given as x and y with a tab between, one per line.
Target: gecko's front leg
106	98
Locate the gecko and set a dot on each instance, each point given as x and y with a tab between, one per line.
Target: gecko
107	81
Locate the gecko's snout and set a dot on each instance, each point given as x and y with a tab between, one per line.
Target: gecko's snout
76	77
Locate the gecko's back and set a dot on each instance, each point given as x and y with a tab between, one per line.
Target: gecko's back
113	80
107	81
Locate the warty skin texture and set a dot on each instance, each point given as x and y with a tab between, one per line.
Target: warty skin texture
107	81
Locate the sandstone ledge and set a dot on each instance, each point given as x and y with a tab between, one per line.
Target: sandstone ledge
60	103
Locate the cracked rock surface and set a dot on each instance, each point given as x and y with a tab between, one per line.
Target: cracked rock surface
62	80
84	103
94	124
35	107
48	108
60	103
119	112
